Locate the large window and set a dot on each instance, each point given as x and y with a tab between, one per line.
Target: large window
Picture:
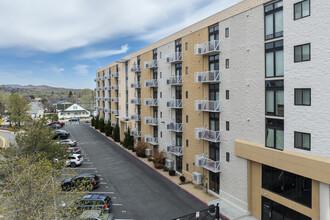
288	185
301	9
302	97
274	20
274	59
214	33
302	53
302	140
275	98
275	133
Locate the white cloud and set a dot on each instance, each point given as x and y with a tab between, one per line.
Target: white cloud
103	53
55	26
61	69
81	69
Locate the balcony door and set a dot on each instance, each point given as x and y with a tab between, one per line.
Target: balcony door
214	182
178	163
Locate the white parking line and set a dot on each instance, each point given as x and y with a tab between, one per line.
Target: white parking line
103	183
117	204
88	162
86	168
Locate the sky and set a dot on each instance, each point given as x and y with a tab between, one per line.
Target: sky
62	43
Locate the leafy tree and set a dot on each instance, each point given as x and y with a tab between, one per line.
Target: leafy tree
2	108
116	133
70	94
101	124
108	129
93	121
54	117
97	122
86	98
17	108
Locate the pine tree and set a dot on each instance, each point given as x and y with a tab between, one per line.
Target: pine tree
97	122
101	124
116	134
108	129
93	121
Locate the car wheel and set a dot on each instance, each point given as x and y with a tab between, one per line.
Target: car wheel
73	165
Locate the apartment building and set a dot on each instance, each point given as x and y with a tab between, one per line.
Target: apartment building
239	103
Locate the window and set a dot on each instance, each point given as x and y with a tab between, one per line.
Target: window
161	94
227	94
160	74
301	9
227	156
227	125
274	59
302	140
302	53
275	98
275	133
186	94
274	20
186	118
227	63
186	45
187	167
160	54
161	134
186	70
187	143
161	114
226	32
302	97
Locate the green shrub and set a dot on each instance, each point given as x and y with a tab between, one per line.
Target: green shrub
108	129
101	124
165	169
96	122
116	133
93	121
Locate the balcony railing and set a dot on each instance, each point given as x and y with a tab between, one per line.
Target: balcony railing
101	108
106	110
135	68
151	140
100	99
151	83
176	150
135	117
203	161
114	111
113	75
151	121
174	58
150	64
135	85
208	135
106	88
114	99
173	126
207	76
174	80
113	124
106	99
135	101
174	103
135	133
151	102
207	106
208	48
114	87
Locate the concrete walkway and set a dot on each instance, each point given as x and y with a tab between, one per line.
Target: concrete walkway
6	138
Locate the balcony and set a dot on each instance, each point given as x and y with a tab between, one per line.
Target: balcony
135	85
135	101
174	58
113	75
114	111
106	99
101	108
151	121
114	87
208	48
106	88
135	68
207	106
208	76
173	126
151	83
208	135
203	161
174	103
135	117
174	80
100	99
135	133
150	64
113	124
151	102
151	140
114	99
176	150
106	110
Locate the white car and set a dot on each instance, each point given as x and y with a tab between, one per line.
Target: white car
74	160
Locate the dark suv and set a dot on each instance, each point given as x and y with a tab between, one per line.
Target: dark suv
60	134
85	181
94	201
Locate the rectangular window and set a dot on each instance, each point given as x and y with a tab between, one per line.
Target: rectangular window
227	32
161	114
227	125
160	54
302	97
161	94
160	74
186	45
302	140
301	9
186	118
186	70
187	143
302	53
227	63
227	156
274	20
275	97
187	167
227	94
186	94
274	59
161	134
275	133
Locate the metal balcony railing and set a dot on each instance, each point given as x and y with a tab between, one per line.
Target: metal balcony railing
114	87
106	88
208	135
174	103
202	161
151	121
135	68
113	75
100	99
113	124
135	101
151	102
135	117
150	139
114	99
174	58
207	106
101	108
150	64
173	149
174	80
114	111
151	83
135	85
106	110
207	76
106	99
208	48
173	126
135	133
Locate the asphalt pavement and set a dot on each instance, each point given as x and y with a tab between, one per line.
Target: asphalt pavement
138	192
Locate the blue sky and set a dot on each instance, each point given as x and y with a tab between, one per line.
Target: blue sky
62	43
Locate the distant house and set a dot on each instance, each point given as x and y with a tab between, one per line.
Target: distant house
36	110
61	106
74	111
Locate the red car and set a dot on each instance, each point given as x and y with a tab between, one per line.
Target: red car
57	122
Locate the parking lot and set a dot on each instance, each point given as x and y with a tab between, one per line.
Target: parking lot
137	191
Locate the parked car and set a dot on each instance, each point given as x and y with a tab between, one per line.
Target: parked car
61	134
68	142
93	201
95	215
74	150
74	160
81	182
74	119
55	126
56	122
